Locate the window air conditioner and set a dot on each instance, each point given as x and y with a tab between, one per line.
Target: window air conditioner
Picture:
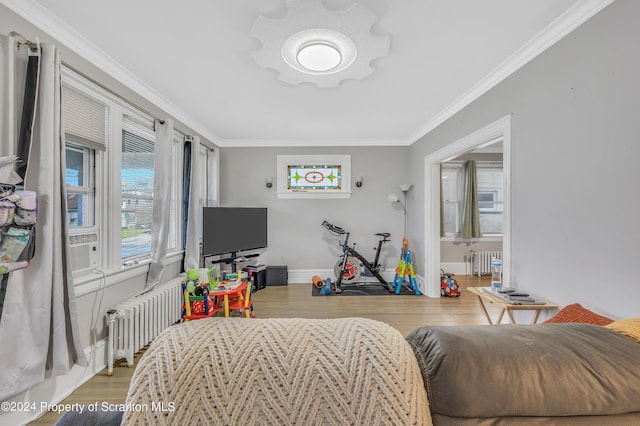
83	251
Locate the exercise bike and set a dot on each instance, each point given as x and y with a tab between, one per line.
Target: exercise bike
348	268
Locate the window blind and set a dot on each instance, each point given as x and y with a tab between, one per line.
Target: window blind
137	187
85	119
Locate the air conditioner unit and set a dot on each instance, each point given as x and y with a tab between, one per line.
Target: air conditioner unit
84	252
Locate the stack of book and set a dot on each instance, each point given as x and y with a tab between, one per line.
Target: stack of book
514	296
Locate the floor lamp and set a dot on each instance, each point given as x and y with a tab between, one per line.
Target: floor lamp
393	198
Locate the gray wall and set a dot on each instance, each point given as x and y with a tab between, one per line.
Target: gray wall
296	237
574	164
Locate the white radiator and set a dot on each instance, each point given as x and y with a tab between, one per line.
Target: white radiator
135	323
481	261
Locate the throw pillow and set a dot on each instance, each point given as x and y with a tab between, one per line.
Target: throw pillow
629	327
576	313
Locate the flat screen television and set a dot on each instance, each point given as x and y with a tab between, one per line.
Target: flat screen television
233	229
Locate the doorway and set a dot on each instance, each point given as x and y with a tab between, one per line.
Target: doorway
499	130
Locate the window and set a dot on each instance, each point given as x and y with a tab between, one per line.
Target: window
490	197
137	172
452	196
314	176
110	158
80	186
85	118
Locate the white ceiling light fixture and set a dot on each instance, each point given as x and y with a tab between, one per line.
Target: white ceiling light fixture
319	57
312	44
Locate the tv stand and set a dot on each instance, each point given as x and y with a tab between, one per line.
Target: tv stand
232	259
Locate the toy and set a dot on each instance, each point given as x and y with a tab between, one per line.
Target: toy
193	280
326	289
214	277
405	271
317	282
198	307
448	285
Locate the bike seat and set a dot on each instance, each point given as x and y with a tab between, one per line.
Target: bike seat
385	235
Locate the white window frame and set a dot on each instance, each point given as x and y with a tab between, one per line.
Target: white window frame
174	247
87	190
480	165
491	166
97	174
458	167
133	260
107	184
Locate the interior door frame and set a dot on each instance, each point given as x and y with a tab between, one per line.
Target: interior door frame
492	133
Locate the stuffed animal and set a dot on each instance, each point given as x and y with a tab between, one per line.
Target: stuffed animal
193	281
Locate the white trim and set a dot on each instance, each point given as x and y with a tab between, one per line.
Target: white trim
93	282
573	17
270	143
488	134
55	389
42	18
303	276
39	16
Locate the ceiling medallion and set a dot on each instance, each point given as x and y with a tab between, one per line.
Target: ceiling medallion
313	44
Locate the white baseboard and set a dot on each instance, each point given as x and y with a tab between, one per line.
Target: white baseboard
55	389
303	276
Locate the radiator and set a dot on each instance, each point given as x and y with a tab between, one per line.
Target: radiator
133	324
481	261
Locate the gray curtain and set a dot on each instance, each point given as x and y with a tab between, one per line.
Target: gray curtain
161	202
471	214
39	331
192	247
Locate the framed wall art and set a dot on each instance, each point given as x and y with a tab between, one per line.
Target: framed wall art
314	176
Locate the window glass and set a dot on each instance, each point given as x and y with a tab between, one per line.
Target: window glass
80	191
490	200
490	197
137	191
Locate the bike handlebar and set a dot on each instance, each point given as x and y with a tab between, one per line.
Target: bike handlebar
333	228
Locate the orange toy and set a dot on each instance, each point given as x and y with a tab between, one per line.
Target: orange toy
317	282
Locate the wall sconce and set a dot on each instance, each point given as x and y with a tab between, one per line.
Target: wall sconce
359	181
268	181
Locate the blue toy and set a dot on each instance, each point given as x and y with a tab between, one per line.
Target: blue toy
326	290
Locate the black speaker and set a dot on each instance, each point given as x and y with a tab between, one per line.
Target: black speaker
277	275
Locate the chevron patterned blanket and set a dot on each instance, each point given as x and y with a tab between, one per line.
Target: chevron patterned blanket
231	371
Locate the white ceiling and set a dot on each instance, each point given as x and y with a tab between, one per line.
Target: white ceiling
193	58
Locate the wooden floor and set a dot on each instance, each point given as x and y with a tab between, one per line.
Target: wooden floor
405	313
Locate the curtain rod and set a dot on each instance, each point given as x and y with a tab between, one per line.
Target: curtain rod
34	48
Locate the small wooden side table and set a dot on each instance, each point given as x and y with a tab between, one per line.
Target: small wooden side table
507	307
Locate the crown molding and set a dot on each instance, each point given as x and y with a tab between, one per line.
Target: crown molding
43	19
39	16
572	18
302	142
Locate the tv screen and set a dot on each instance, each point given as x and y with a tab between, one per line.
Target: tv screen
233	229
